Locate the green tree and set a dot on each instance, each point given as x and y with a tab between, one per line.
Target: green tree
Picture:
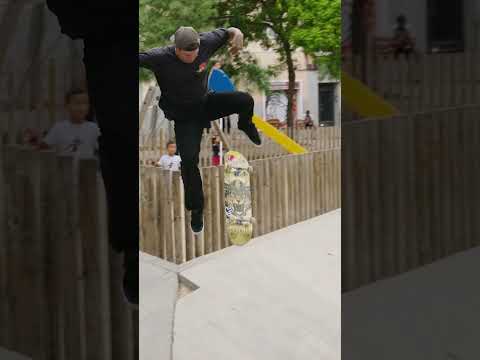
294	23
160	18
320	33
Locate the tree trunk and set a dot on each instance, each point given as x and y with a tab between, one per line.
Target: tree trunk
360	33
290	92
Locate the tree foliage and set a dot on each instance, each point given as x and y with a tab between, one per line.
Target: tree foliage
287	25
319	31
313	25
160	18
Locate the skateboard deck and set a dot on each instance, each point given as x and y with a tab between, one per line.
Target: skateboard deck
238	202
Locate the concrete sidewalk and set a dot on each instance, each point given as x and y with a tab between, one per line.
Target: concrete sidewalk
9	355
428	313
277	297
158	296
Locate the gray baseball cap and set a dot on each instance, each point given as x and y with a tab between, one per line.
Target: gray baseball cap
186	38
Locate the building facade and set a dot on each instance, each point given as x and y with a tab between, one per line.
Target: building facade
437	25
316	92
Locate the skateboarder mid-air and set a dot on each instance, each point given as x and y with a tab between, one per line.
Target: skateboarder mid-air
180	70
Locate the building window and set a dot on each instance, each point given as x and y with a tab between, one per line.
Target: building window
445	26
326	102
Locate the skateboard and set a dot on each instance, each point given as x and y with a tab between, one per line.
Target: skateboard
238	201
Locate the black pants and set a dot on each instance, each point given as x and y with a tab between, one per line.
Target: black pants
113	93
188	133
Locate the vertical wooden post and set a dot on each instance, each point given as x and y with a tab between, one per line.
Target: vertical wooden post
34	74
122	317
95	264
208	192
179	219
168	224
69	261
3	247
200	248
224	242
162	219
11	127
52	92
217	210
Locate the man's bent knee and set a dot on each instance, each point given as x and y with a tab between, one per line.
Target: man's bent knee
246	99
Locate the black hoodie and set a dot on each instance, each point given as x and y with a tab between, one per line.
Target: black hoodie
95	19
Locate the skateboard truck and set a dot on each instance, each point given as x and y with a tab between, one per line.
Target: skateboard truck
243	221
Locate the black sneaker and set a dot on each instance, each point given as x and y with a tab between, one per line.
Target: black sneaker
251	131
130	278
197	221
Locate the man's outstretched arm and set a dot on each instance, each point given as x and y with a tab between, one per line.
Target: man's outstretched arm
218	38
150	59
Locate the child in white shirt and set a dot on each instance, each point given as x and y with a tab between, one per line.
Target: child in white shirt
170	161
75	136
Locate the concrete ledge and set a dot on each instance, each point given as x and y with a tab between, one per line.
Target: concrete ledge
158	296
9	355
278	297
155	261
428	313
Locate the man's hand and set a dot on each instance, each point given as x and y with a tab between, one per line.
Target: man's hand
236	40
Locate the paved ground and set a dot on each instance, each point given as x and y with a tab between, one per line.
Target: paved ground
158	295
276	298
8	355
249	305
429	313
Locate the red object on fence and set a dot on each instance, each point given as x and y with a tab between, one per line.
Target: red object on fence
216	160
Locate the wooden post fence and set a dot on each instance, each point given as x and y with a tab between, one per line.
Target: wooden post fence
411	192
432	81
285	190
60	285
322	138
